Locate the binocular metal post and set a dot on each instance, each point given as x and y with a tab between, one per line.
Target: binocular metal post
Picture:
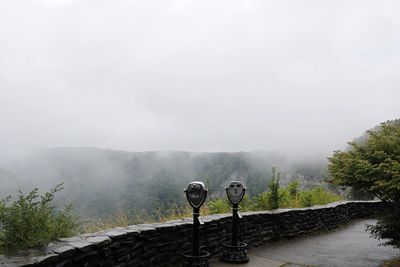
196	194
196	225
235	251
235	224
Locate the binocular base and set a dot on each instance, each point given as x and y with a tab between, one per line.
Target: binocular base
189	260
234	254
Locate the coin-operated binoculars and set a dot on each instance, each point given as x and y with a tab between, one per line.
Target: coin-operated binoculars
235	251
196	194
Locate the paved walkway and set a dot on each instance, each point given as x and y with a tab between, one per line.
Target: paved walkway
349	246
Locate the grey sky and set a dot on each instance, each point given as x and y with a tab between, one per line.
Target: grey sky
196	75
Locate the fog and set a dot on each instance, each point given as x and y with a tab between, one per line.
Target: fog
99	182
299	77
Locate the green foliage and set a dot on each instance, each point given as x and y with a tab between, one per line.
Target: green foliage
293	188
306	199
387	227
261	201
273	198
219	205
372	164
317	196
285	200
288	197
247	204
314	196
31	221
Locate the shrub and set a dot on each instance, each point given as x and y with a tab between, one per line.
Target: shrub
247	204
294	194
219	205
306	199
285	201
273	200
31	221
262	201
293	188
320	196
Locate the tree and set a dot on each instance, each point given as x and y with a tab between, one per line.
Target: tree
372	164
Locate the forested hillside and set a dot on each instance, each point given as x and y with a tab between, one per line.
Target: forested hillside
100	183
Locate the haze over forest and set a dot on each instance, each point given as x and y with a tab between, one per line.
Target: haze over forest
88	88
101	183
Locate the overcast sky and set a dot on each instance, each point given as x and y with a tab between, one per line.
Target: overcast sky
196	75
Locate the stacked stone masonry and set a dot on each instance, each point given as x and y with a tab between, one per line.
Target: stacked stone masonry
162	244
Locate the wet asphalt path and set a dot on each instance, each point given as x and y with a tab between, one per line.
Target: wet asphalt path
348	246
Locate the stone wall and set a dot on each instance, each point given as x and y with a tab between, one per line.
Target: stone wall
162	244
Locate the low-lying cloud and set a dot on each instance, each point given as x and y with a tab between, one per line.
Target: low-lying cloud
196	75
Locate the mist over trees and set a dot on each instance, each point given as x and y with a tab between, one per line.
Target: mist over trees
100	183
